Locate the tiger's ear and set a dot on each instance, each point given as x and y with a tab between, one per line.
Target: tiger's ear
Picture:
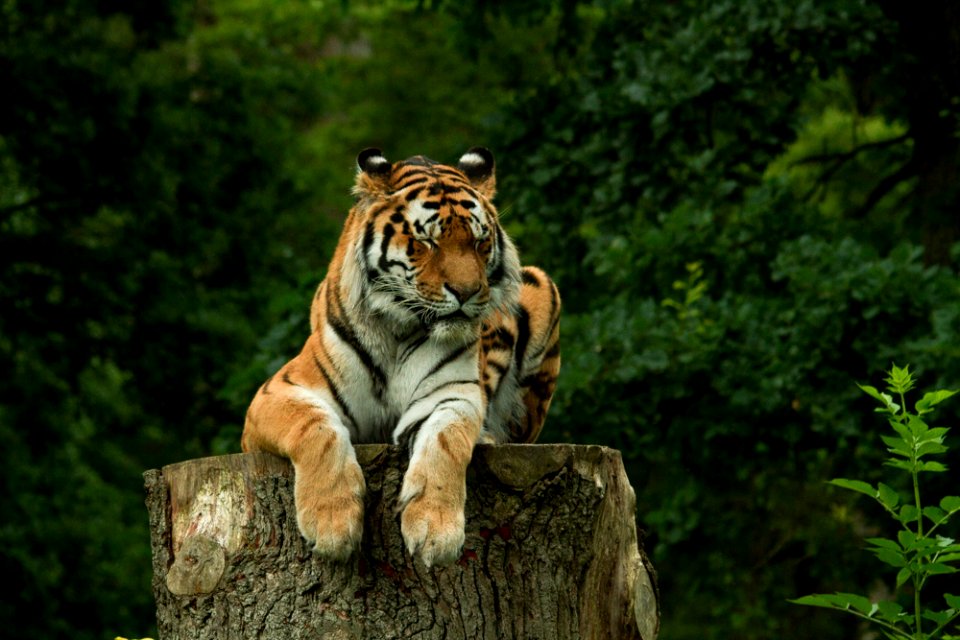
477	164
373	175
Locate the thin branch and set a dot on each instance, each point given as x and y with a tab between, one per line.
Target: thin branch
885	186
838	160
844	156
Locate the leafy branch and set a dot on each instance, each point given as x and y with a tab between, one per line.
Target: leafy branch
916	553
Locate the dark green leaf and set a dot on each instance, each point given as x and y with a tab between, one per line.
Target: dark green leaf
906	465
855	485
860	603
903	576
907	538
890	611
908	515
938	617
813	601
897	446
892	558
939	568
918	427
885	543
934	514
887	496
929	448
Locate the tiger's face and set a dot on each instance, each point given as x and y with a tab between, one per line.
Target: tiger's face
431	249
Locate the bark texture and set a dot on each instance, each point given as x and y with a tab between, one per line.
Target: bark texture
551	552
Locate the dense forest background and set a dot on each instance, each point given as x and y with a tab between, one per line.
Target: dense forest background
749	205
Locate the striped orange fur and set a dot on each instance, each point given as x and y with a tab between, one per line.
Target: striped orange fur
426	332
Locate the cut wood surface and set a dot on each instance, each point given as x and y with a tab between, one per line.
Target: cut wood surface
551	552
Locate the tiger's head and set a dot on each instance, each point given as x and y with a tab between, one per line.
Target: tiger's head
428	246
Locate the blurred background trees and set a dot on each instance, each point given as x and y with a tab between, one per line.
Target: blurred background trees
748	206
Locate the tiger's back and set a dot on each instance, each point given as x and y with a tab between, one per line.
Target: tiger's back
425	332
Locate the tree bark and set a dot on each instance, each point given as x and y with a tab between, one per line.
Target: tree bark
551	552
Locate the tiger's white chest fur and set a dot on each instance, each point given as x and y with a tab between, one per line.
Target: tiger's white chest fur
402	380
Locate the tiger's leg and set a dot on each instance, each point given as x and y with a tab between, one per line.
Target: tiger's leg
537	352
294	421
440	438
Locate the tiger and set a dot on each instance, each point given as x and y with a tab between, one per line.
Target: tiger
426	333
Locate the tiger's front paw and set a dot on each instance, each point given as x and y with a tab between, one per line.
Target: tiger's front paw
432	521
330	514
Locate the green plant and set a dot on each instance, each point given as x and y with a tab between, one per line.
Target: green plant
918	552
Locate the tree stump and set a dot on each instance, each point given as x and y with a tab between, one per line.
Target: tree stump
551	552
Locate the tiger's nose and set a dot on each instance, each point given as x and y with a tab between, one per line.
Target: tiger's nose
462	292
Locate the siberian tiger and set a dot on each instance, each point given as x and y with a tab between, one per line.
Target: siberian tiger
425	332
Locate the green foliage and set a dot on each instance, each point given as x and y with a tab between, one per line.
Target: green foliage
670	145
173	178
738	199
916	553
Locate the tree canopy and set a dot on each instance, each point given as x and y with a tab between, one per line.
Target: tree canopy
747	205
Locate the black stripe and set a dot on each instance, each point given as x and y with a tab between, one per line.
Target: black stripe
505	339
523	337
444	402
553	351
496	366
496	276
529	278
413	194
451	383
384	264
453	173
265	389
554	307
368	234
409	351
450	357
346	334
286	378
409	435
538	354
335	392
409	181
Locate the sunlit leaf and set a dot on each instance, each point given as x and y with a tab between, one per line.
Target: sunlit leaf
900	379
931	399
